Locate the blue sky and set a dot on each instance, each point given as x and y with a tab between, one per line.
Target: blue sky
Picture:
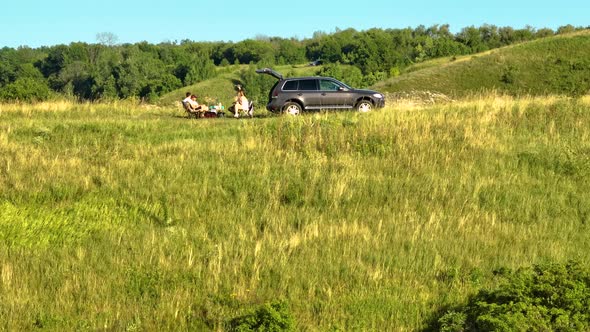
46	23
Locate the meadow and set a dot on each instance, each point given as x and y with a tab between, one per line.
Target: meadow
123	217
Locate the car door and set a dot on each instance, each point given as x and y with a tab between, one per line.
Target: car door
270	72
309	94
335	95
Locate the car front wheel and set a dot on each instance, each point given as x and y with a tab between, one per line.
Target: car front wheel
364	106
292	108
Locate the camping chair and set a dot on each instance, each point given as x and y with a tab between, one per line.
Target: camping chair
189	111
250	111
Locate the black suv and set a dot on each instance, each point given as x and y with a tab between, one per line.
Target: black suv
296	94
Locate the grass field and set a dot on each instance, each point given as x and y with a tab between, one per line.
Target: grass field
120	217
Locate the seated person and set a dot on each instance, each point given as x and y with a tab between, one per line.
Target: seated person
187	98
240	104
194	105
186	101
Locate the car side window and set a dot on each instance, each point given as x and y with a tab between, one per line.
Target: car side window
308	85
290	86
327	85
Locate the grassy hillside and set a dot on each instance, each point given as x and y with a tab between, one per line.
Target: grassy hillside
556	65
221	88
119	218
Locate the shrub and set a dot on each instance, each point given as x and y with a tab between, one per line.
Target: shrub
25	89
348	74
547	297
508	75
275	316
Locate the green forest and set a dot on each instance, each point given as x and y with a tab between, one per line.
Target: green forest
107	71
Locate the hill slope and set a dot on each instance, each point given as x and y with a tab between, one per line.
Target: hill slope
221	88
555	65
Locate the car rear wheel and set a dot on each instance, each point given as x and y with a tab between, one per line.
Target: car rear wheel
364	106
292	108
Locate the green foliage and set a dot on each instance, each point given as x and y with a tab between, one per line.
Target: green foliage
290	52
564	29
256	86
20	80
394	72
107	71
270	317
199	68
452	322
508	75
347	74
25	89
548	297
373	78
569	73
473	39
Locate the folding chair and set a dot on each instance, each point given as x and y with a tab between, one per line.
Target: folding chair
250	111
189	111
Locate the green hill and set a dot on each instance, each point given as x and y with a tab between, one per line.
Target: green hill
221	88
555	65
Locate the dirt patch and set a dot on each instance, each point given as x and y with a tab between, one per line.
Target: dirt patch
417	98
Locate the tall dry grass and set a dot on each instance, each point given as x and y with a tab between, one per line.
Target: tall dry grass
113	217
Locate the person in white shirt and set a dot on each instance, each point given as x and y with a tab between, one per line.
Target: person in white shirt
187	104
187	99
240	103
191	104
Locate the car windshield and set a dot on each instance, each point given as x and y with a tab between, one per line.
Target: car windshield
344	85
327	85
332	85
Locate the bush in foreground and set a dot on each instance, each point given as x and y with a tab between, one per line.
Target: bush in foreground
271	317
547	297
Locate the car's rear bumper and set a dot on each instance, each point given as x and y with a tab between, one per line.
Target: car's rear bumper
273	107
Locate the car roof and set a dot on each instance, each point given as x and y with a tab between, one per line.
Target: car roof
309	78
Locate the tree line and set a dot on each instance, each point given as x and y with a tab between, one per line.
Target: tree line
104	71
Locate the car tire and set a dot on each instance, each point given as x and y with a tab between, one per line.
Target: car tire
292	108
364	106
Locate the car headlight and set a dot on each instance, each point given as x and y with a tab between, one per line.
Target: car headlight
378	95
